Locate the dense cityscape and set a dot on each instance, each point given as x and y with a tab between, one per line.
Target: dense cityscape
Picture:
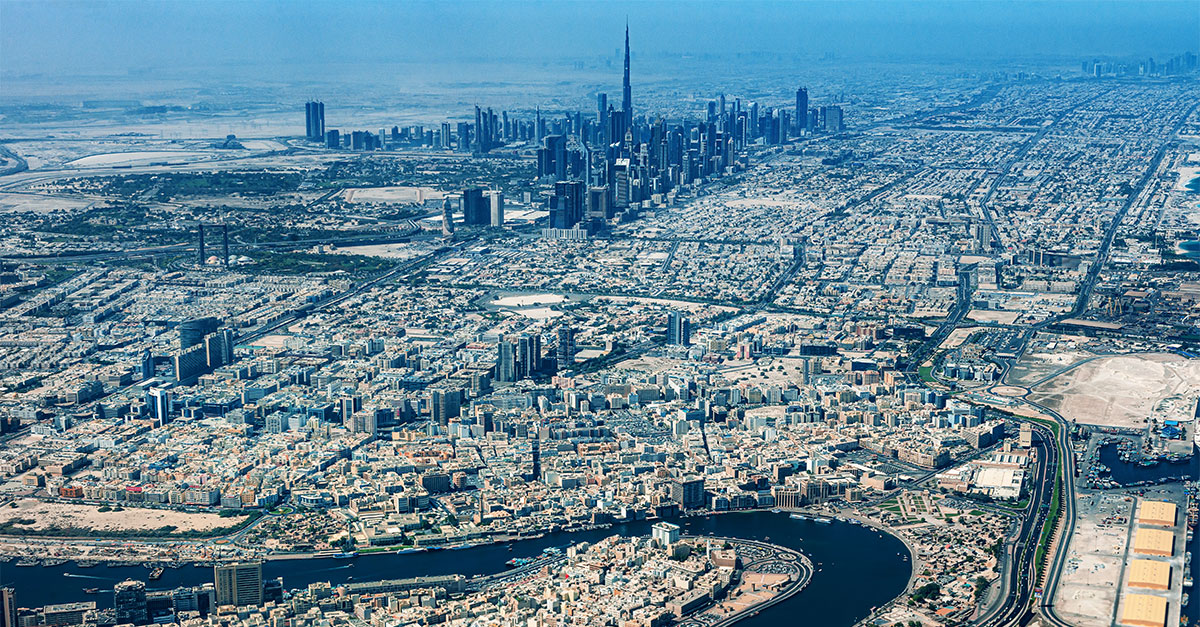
690	354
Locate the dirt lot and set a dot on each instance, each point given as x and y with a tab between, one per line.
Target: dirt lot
49	515
1119	391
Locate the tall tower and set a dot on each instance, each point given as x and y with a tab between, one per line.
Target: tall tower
626	95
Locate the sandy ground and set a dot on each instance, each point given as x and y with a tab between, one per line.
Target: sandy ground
137	157
86	516
985	315
39	203
528	300
1120	391
272	341
1185	176
1035	365
1088	593
389	251
957	337
398	194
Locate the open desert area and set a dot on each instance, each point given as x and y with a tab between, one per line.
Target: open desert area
1118	391
50	515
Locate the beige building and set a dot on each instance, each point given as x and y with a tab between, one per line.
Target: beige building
1154	542
1158	513
239	583
1149	574
1144	610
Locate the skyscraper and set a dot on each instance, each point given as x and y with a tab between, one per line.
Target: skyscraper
192	332
8	607
801	116
626	93
447	218
218	348
529	355
506	362
147	369
566	347
314	120
444	405
238	583
679	329
159	400
474	209
688	492
496	204
566	205
129	600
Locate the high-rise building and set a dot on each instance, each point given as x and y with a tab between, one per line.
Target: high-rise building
679	329
801	114
664	534
189	363
192	332
218	348
565	354
129	601
474	208
688	492
147	365
831	119
159	400
314	120
506	362
238	583
529	355
444	405
8	607
552	158
626	92
364	421
566	205
496	204
447	218
348	405
598	207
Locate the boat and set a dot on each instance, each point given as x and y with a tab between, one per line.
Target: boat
156	573
798	516
776	510
345	555
823	521
91	590
27	561
86	563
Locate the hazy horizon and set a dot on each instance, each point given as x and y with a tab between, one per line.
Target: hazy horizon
58	39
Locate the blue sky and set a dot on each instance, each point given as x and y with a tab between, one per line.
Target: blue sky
60	37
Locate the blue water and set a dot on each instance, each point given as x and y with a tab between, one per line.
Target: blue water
1126	473
858	566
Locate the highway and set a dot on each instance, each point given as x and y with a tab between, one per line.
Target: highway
1019	581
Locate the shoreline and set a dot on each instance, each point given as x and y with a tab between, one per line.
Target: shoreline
847	514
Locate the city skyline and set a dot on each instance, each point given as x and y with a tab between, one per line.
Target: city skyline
863	313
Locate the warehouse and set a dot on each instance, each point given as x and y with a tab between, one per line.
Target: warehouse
1150	574
1157	513
1144	610
1154	542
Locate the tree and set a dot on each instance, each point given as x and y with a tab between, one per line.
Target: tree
980	587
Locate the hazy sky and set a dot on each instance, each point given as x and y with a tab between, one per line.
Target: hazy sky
65	37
